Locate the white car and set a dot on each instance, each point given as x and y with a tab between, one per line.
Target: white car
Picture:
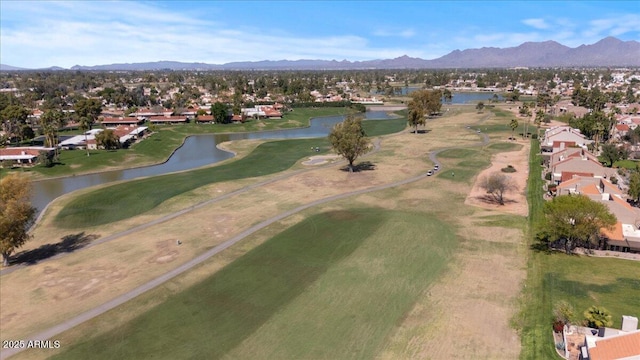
429	173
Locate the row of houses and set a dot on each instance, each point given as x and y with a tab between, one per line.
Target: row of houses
574	170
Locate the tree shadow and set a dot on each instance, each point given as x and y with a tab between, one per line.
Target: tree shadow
425	131
363	166
490	199
541	247
69	243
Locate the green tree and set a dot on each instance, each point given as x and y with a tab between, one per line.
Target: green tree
219	112
427	101
349	140
513	125
597	317
634	187
540	115
416	115
612	153
480	106
84	125
50	122
576	218
16	214
107	139
447	95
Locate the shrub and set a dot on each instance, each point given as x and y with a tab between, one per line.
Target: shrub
563	312
547	176
508	169
614	180
534	136
597	317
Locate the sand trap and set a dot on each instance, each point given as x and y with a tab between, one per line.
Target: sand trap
515	202
321	159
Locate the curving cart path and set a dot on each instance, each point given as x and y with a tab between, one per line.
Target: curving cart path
90	314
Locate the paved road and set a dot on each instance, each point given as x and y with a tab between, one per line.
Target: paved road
77	320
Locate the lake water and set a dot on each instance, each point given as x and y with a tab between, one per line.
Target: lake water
197	151
458	98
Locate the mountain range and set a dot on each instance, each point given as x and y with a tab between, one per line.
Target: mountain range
608	52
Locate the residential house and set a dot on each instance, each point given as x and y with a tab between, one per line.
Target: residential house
583	165
168	119
121	121
613	344
26	155
205	119
83	141
566	134
625	236
129	134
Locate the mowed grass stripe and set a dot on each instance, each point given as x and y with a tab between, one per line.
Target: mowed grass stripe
124	200
333	286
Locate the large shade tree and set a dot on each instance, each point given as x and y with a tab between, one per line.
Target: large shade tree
349	140
220	113
576	219
16	214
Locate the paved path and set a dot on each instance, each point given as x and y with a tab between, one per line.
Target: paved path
90	314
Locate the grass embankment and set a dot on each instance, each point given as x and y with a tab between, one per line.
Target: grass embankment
580	280
139	196
333	286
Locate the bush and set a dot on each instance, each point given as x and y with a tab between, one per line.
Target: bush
597	317
614	180
508	169
534	136
547	176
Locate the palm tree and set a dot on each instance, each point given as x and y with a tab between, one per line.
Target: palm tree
85	124
513	125
597	317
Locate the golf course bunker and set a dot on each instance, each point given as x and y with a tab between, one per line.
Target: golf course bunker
320	159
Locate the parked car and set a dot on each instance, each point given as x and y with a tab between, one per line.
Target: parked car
429	173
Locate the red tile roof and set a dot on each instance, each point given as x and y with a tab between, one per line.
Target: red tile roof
204	118
168	119
616	347
568	175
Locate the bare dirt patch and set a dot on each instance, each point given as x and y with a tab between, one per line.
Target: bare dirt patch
516	201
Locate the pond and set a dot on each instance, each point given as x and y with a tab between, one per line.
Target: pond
196	151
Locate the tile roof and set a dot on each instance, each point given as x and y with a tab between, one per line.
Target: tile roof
615	233
617	347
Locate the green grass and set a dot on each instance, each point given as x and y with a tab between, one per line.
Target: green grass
138	196
627	164
458	174
334	286
383	127
457	153
580	280
504	146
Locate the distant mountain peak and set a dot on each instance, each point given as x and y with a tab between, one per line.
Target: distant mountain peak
609	51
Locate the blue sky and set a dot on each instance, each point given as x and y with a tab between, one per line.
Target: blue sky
36	34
